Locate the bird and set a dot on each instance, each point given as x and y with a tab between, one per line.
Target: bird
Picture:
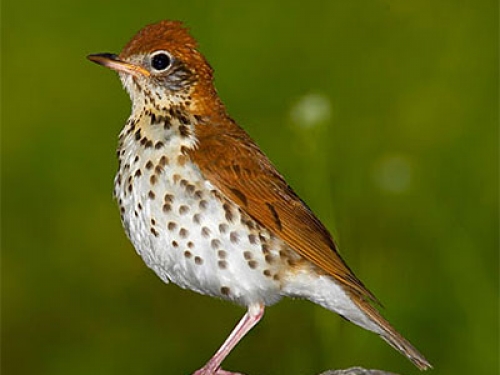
207	210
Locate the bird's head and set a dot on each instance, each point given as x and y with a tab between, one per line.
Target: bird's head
161	66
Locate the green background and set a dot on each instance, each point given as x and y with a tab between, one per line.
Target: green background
383	115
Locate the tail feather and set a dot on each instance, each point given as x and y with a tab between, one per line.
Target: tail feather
326	292
392	337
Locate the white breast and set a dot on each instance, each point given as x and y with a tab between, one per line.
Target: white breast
191	235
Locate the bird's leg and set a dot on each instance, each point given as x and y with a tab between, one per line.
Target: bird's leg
250	319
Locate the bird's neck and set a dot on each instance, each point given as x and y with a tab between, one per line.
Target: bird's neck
171	126
155	131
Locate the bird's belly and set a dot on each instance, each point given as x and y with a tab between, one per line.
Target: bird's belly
188	233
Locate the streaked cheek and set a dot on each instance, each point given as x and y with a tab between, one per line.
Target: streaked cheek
129	85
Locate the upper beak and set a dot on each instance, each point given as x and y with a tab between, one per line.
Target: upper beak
112	61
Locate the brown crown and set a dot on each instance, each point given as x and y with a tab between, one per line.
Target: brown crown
172	36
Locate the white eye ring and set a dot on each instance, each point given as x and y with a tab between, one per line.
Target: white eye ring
161	61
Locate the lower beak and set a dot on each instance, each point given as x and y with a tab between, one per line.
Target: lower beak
112	61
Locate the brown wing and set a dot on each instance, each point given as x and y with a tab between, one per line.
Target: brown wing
232	162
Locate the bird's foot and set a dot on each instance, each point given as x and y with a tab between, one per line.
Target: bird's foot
219	371
224	372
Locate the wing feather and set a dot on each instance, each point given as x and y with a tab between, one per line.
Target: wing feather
232	162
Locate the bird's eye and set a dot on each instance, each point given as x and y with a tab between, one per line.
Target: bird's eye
161	61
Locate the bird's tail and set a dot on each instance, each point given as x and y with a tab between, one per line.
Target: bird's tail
391	336
328	293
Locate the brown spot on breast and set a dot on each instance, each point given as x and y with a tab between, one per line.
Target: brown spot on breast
152	179
183	131
249	223
247	255
183	209
222	264
225	290
171	225
266	273
198	260
149	164
151	194
138	173
163	161
228	212
183	232
222	254
188	254
233	237
166	123
197	218
205	232
203	204
223	228
252	238
215	244
137	134
184	120
269	258
167	207
158	169
252	264
216	194
169	198
155	232
182	159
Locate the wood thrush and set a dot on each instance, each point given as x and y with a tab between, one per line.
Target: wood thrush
206	209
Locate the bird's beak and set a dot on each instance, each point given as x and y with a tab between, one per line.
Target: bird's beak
112	61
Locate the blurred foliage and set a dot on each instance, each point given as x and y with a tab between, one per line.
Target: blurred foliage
383	115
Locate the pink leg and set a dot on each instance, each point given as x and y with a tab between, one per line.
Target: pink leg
249	320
